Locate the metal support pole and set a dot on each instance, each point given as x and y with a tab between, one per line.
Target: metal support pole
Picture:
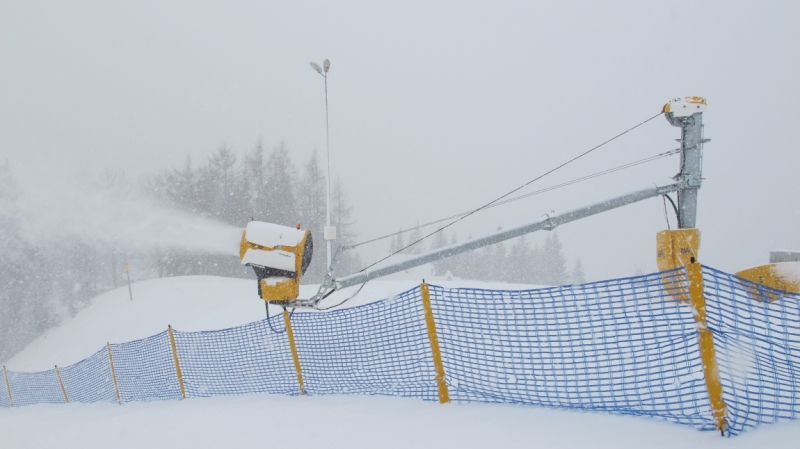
328	160
329	233
548	225
690	176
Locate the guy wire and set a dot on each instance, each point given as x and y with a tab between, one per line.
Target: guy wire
511	192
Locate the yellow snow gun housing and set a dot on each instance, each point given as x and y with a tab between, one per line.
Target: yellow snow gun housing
676	248
279	255
779	276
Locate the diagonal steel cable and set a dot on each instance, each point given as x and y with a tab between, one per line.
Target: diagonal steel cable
505	195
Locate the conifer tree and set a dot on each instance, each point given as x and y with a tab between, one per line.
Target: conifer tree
218	184
342	218
578	276
469	265
518	264
439	240
311	193
554	264
280	207
414	236
255	170
397	243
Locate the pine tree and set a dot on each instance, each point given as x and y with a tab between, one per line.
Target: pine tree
577	276
219	180
439	240
240	199
397	242
536	273
342	218
256	173
455	265
469	265
492	268
554	263
280	205
414	236
178	187
518	262
311	194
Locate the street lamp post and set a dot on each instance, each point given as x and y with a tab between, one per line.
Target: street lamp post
330	231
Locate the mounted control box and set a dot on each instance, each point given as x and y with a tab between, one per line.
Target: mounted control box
674	249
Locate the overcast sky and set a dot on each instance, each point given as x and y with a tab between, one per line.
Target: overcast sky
435	107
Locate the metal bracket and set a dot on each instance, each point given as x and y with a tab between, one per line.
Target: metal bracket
326	288
549	225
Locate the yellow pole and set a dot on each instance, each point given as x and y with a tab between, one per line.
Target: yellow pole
706	342
295	356
61	382
113	373
177	363
444	395
8	386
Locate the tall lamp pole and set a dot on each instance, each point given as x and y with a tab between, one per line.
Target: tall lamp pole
330	231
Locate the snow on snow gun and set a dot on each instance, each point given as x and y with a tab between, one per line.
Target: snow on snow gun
279	255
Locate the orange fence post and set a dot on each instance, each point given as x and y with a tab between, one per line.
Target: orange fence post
8	386
705	340
295	355
444	394
177	363
113	373
61	382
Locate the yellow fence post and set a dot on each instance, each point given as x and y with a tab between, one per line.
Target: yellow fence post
61	382
113	373
295	356
444	395
8	386
177	363
706	342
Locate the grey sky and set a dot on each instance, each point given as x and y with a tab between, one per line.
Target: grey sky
436	107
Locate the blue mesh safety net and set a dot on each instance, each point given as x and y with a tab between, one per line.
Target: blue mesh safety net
626	346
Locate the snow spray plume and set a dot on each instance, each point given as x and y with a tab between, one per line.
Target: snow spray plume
122	220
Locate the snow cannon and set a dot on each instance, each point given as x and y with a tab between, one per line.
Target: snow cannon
279	255
782	273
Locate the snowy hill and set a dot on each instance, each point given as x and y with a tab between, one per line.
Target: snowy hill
203	303
188	303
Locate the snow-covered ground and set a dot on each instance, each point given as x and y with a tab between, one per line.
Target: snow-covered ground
203	303
270	421
188	303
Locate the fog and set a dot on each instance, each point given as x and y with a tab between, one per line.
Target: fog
435	108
